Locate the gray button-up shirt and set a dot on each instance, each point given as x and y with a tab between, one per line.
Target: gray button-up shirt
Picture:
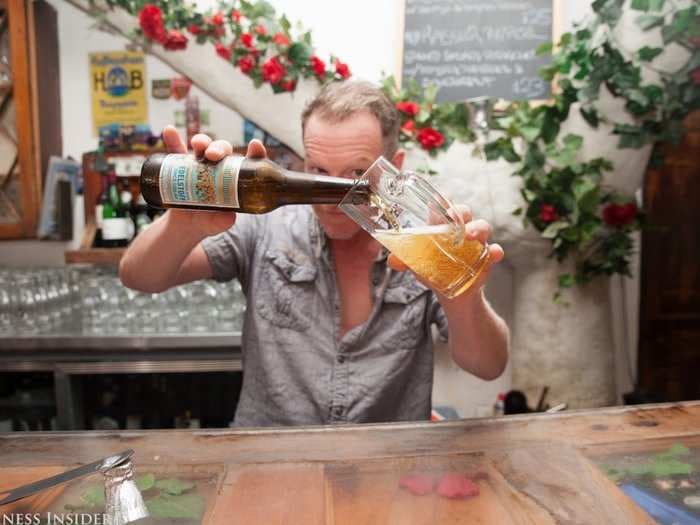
296	369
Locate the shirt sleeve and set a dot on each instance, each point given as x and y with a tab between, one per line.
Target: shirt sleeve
436	316
230	252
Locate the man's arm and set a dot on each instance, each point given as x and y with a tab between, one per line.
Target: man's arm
169	252
478	336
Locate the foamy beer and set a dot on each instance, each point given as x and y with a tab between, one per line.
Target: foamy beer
421	227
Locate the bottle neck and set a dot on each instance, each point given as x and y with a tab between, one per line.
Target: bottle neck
307	188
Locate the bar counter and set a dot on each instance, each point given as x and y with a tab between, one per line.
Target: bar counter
573	467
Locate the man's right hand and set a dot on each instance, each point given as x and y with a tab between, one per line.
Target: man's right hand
205	223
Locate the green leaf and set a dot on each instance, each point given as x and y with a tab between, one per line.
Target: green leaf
94	496
517	212
285	24
647	54
186	506
174	486
145	482
676	450
299	53
566	280
656	5
544	49
647	22
492	150
553	229
640	5
590	115
550	125
680	24
530	133
573	142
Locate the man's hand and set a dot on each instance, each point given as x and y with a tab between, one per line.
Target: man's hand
205	223
474	229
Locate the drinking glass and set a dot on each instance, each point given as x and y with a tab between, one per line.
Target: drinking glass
419	225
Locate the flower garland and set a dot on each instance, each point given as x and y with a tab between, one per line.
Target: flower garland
564	198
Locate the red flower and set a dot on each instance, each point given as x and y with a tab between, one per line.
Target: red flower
247	39
218	19
408	127
548	213
280	39
175	41
151	21
342	69
318	65
273	71
246	63
617	215
695	75
260	30
289	85
194	29
410	108
236	16
223	51
430	138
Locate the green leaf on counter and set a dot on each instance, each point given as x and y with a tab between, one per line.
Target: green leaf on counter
145	482
648	54
187	506
677	450
174	487
94	496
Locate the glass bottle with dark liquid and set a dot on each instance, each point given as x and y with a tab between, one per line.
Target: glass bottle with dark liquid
238	183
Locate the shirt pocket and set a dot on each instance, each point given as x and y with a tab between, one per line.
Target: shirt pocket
409	299
286	289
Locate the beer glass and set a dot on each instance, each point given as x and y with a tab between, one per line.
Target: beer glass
421	227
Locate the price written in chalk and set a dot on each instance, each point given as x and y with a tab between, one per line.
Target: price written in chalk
471	48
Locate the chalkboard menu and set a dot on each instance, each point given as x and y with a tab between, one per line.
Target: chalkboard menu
470	48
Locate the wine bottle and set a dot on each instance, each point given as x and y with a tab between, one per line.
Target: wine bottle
114	223
237	183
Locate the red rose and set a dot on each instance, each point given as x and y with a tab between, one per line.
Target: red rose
408	107
318	65
246	63
342	69
151	21
408	127
194	29
289	85
236	16
548	213
695	75
273	71
175	41
260	30
617	215
218	19
223	51
280	39
247	39
430	138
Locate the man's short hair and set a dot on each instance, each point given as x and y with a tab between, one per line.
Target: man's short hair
338	101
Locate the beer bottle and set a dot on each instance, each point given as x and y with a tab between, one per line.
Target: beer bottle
237	183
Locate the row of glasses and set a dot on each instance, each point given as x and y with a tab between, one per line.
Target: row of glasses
91	300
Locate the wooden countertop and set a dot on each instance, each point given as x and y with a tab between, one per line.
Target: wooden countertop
532	468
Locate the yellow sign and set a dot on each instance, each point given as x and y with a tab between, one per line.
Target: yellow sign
118	85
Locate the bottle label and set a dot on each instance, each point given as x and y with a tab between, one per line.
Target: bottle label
115	229
184	180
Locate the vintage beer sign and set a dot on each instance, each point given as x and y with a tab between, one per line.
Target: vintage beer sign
118	87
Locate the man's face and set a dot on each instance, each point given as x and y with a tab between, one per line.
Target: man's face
341	149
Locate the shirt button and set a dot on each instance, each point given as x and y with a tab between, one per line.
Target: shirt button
337	411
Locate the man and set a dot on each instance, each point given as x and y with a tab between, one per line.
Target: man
334	330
